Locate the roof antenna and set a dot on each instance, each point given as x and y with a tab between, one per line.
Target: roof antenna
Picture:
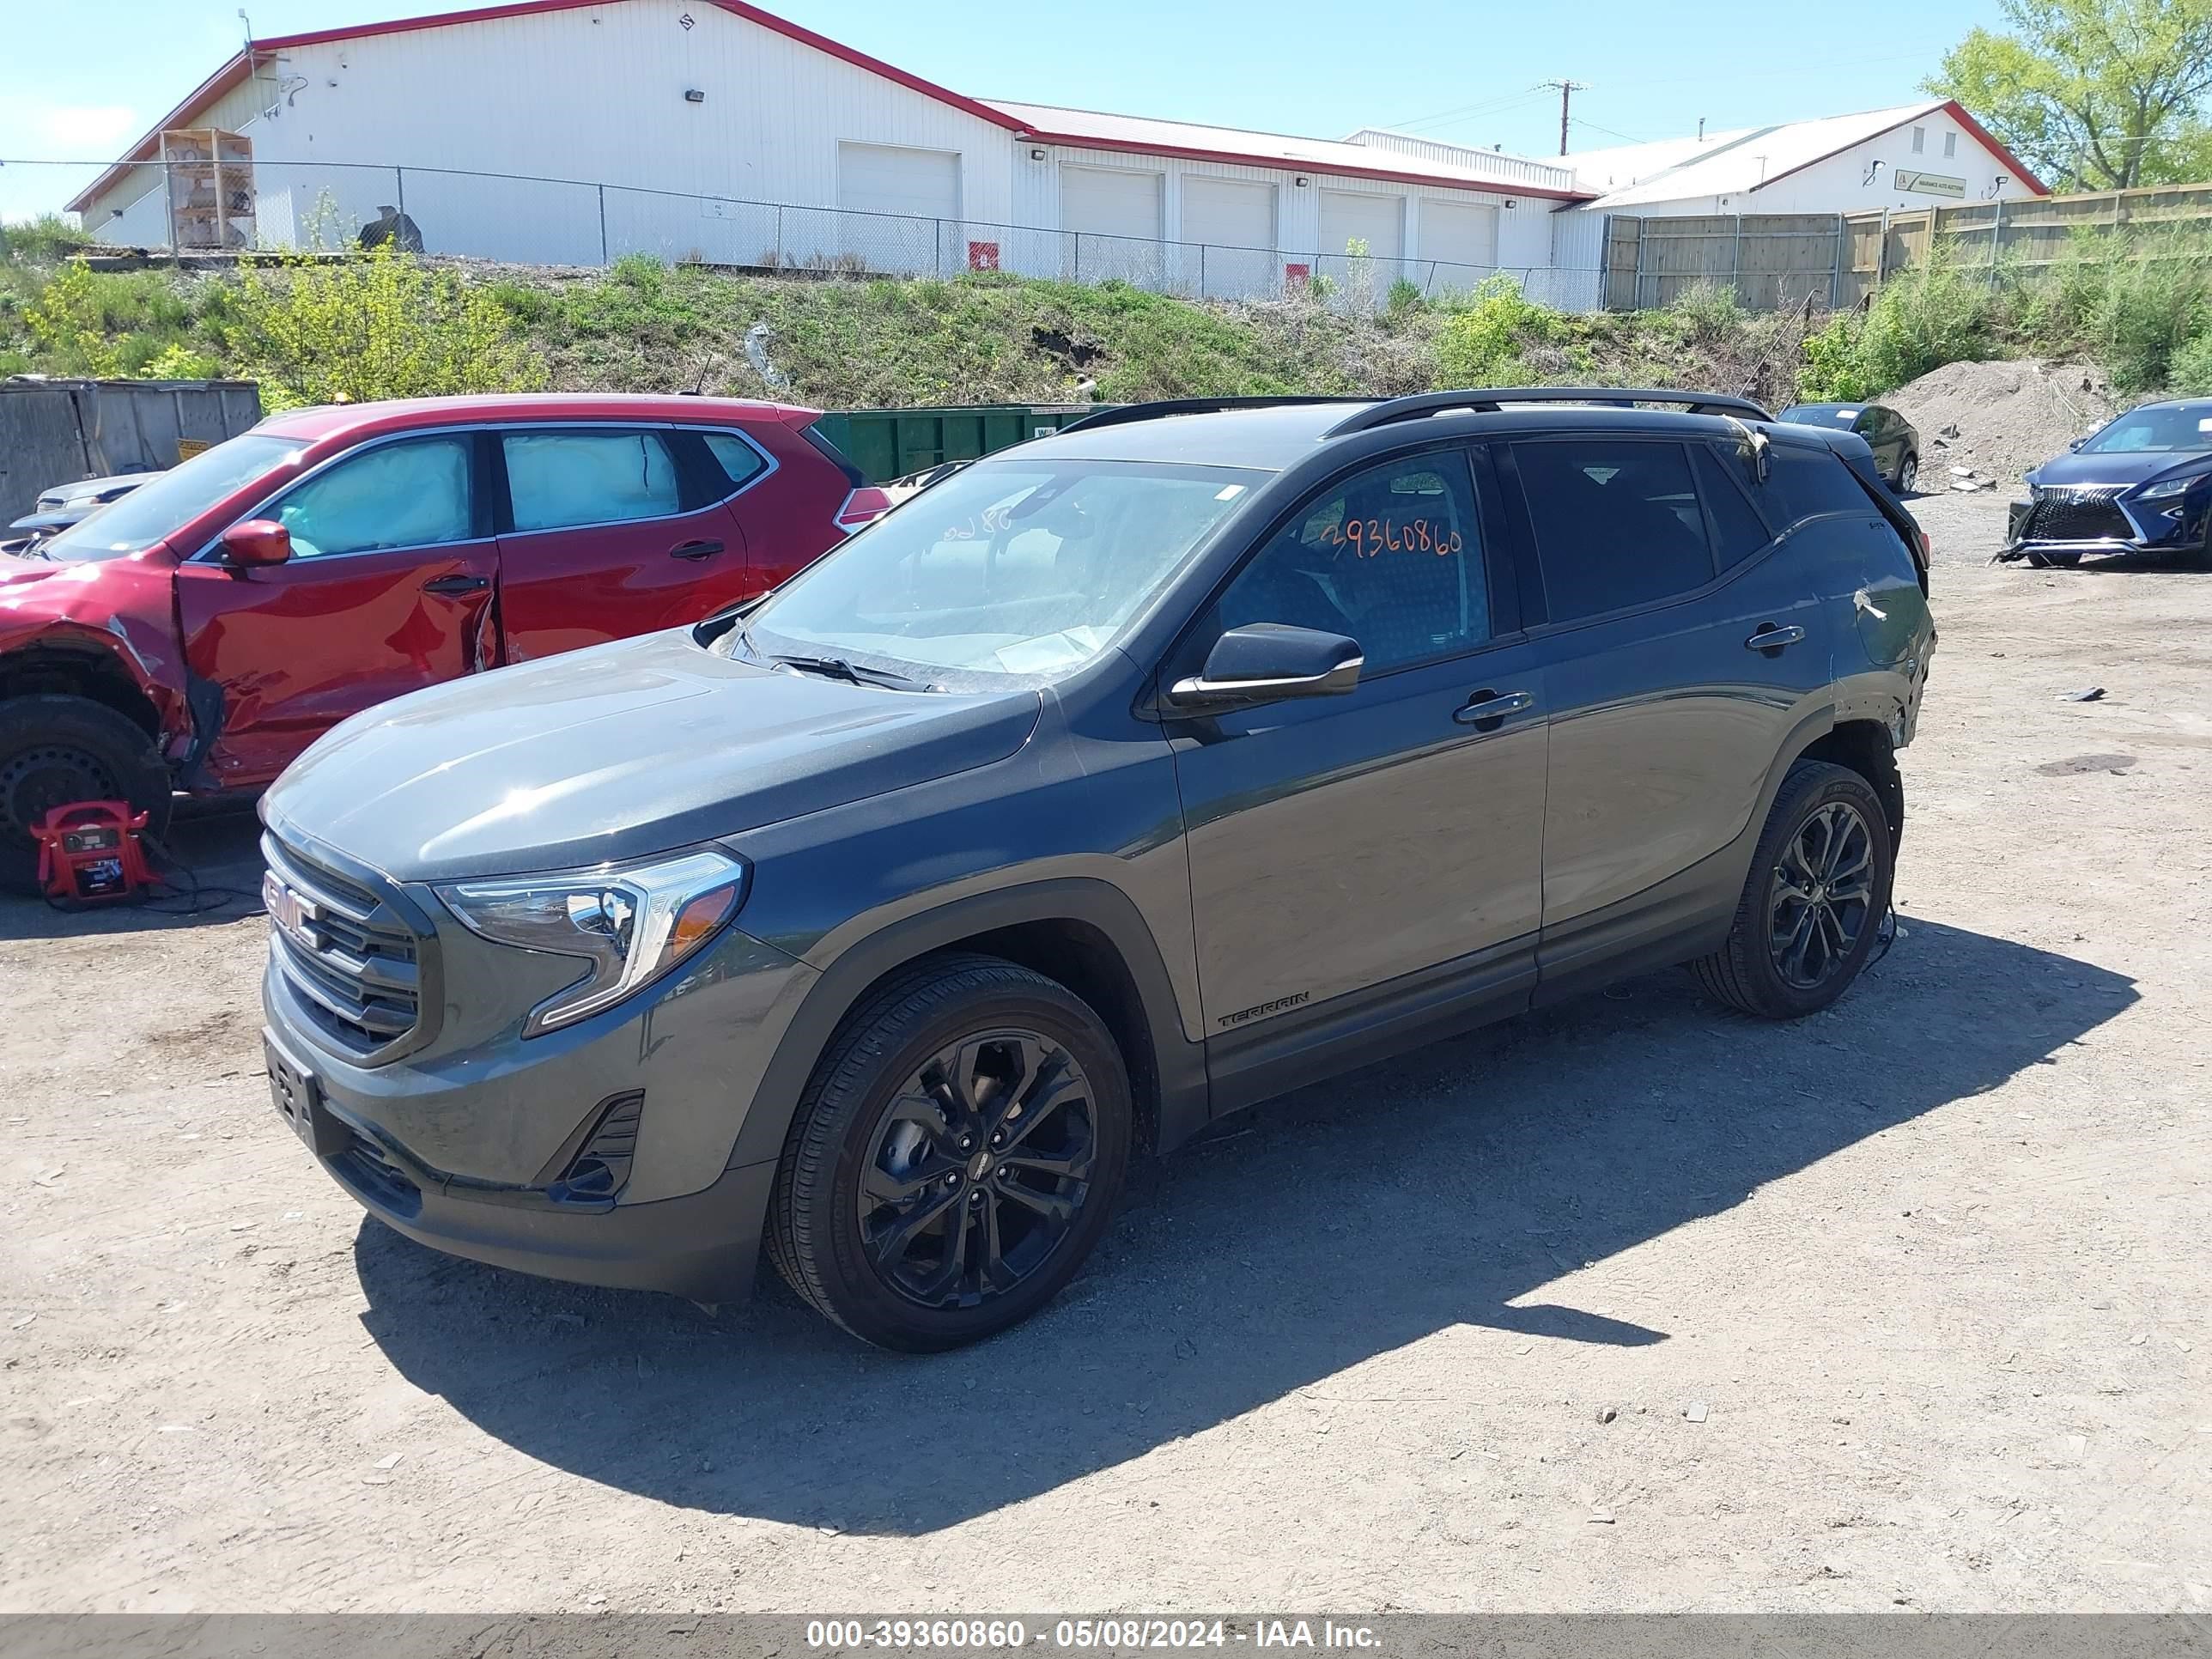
1701	129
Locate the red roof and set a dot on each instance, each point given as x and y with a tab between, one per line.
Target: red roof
237	68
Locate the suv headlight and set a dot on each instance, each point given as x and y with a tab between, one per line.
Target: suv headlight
2167	488
631	923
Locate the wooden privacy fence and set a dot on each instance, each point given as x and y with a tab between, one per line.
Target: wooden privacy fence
1773	260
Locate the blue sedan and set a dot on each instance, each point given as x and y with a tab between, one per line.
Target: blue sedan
2142	484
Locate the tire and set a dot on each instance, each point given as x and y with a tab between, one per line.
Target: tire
2046	559
1908	473
1751	972
55	749
884	1262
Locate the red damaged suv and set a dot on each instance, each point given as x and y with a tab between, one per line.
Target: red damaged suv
198	634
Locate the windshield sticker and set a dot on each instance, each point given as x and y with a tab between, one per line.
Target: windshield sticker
1847	414
1228	492
2204	426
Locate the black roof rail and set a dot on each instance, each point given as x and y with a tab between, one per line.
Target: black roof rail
1125	414
1489	400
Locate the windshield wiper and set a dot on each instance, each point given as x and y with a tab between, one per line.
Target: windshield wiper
853	673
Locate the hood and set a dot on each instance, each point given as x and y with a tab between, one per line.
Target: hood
619	752
87	492
2074	471
53	519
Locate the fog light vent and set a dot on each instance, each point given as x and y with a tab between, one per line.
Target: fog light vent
602	1169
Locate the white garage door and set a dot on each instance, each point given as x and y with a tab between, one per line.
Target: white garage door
1228	213
1107	201
1377	220
1462	237
886	179
1227	231
1115	219
893	200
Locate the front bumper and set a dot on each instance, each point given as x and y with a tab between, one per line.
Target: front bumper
705	1246
468	1138
2102	522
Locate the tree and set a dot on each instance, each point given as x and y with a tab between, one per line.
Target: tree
2092	94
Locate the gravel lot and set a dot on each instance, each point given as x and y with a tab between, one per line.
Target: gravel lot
1632	1304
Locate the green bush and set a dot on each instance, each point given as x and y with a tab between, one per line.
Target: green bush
43	240
1405	299
2190	373
1831	373
1706	313
1483	342
2132	302
1936	313
385	325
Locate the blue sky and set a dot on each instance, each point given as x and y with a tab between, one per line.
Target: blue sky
1465	71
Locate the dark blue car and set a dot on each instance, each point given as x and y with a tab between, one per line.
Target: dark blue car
2141	484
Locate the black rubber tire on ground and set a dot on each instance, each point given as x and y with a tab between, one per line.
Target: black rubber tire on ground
814	1233
1743	972
2048	559
1908	474
55	749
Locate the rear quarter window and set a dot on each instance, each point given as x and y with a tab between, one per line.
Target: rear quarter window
1804	483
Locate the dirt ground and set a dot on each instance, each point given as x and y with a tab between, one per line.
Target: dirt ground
1630	1305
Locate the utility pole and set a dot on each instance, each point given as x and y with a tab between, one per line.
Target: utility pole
1566	89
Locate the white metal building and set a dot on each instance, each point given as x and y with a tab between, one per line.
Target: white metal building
1915	155
572	131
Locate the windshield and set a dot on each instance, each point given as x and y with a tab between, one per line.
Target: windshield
1020	568
2169	428
156	508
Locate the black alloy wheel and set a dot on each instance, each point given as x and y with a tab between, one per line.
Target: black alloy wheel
1823	896
977	1169
956	1156
1813	898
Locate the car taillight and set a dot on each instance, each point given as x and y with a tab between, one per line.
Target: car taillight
864	505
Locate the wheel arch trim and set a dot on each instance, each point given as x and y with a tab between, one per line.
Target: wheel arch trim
1177	1065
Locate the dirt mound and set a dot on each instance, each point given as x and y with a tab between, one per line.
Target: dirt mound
2000	418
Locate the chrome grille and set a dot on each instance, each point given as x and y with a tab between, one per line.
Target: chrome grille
353	964
2088	515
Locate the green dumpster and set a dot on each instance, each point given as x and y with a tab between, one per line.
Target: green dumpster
889	443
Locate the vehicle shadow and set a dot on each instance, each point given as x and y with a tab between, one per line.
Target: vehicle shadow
1337	1223
210	863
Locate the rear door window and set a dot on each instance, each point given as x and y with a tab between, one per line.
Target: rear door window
565	480
1618	523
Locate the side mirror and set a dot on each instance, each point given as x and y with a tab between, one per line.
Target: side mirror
2075	443
1266	662
256	541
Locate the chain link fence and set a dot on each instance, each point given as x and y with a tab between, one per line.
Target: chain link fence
520	220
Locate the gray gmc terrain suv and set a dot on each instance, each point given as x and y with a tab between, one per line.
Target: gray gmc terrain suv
1125	778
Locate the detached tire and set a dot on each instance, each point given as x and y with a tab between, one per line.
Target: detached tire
55	749
1814	900
955	1158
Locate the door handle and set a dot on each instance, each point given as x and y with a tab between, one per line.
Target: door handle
694	550
456	584
1768	637
1486	711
